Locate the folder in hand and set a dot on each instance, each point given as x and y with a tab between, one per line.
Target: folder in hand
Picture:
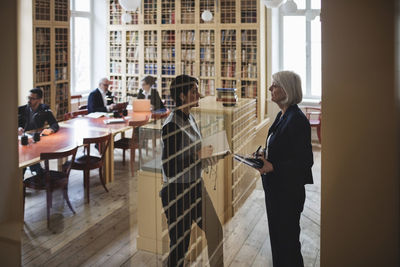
252	162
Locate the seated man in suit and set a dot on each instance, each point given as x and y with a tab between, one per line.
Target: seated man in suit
150	93
33	116
99	99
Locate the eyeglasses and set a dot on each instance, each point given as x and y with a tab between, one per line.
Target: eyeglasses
32	98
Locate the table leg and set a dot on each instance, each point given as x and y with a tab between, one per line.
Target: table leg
109	169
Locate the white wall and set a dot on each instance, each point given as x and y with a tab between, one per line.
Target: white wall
99	42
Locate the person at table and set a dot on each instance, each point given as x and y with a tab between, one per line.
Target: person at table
288	159
147	92
33	116
99	99
184	196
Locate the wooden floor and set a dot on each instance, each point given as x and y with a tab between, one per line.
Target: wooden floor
100	233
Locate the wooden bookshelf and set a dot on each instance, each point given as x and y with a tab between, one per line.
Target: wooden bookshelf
172	39
49	42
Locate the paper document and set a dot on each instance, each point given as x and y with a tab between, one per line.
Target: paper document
109	121
96	115
219	143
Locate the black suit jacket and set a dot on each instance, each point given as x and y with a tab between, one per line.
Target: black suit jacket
289	149
95	102
155	99
42	115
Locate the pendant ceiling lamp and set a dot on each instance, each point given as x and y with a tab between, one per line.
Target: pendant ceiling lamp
289	7
130	5
272	3
207	15
126	18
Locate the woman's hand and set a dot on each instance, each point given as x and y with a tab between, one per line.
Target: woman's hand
267	167
205	152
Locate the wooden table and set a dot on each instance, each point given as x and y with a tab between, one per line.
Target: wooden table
72	133
115	128
64	139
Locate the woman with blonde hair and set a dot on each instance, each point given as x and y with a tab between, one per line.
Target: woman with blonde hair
288	159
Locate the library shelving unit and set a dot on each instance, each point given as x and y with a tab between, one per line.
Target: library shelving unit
166	38
49	41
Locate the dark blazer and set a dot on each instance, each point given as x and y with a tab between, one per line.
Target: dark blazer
181	139
95	102
155	98
42	115
289	149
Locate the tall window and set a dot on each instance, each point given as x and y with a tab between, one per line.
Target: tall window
301	45
81	18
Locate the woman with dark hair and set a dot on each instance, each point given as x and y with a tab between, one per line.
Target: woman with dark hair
147	92
183	194
288	159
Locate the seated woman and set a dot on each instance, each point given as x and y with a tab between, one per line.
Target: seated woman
147	92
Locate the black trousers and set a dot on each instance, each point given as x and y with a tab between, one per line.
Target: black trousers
183	207
284	206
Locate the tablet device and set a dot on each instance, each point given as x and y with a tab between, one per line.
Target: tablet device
255	163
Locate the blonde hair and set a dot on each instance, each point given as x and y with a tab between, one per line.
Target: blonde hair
291	84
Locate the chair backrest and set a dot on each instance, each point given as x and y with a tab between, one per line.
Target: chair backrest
157	115
313	111
77	97
59	155
74	114
138	123
102	142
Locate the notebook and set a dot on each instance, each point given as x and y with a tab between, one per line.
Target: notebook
141	105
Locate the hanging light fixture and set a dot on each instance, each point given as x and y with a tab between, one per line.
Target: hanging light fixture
207	15
126	18
130	5
272	3
289	7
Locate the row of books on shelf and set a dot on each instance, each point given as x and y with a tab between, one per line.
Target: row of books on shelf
249	71
133	53
168	53
207	87
150	37
188	54
116	37
206	53
150	53
150	68
207	69
168	69
187	37
132	68
207	37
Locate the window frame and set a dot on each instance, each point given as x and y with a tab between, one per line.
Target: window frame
300	12
81	14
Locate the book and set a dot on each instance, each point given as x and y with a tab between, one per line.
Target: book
219	143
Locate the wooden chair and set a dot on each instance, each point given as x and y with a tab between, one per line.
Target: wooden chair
87	162
79	97
74	114
313	115
51	180
155	136
131	143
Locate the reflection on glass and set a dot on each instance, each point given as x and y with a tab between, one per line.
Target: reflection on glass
82	5
81	54
294	51
316	57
